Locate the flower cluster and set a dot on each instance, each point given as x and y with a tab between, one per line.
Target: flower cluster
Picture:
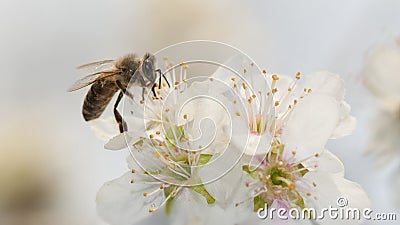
231	143
381	77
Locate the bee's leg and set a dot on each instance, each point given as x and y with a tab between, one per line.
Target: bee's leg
126	92
143	90
153	89
118	117
143	84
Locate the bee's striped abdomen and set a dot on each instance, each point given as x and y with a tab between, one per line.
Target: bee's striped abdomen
97	99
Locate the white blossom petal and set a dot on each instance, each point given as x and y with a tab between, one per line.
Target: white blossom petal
347	123
312	122
120	202
122	141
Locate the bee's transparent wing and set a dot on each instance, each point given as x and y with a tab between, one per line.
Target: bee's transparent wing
91	78
99	66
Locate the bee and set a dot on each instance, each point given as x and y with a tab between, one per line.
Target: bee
111	76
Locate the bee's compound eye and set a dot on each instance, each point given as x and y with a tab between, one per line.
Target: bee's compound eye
148	70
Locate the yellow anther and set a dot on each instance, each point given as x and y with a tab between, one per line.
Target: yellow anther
158	132
276	103
298	75
275	77
264	71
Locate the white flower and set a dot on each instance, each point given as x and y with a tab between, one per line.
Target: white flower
381	76
297	171
184	165
382	68
168	177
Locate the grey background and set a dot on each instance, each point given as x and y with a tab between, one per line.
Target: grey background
42	42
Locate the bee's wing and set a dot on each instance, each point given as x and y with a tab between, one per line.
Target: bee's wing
91	78
99	66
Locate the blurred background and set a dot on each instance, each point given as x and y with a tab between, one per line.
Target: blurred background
51	164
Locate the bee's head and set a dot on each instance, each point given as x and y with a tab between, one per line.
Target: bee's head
148	67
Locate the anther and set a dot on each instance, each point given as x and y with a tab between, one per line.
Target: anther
298	75
275	77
